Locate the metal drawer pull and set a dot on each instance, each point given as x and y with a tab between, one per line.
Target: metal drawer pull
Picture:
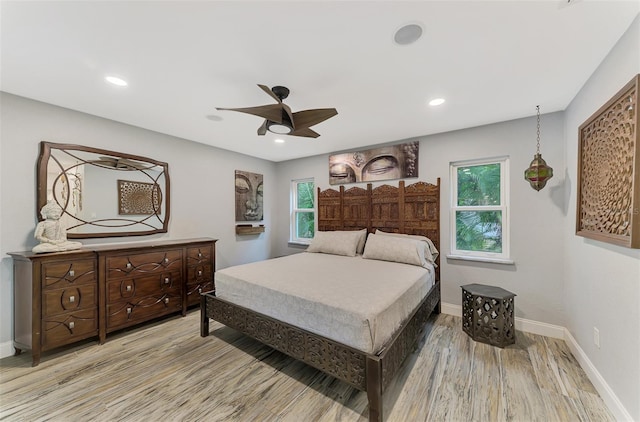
199	289
166	280
129	288
199	254
128	264
129	310
72	299
166	260
166	300
72	325
72	273
200	272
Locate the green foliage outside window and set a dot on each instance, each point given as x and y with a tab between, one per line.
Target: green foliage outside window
305	224
479	230
305	195
479	185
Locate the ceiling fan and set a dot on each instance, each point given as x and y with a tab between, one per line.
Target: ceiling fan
280	120
121	163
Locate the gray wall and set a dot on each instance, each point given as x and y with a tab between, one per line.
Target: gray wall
536	241
202	185
602	281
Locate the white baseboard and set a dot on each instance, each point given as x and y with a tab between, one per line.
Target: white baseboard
608	396
556	331
451	309
6	349
522	324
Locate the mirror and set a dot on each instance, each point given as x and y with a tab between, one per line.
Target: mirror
103	193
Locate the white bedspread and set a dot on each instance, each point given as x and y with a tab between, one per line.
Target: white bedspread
355	301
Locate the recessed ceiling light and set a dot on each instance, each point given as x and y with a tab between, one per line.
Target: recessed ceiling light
116	81
436	101
279	141
408	34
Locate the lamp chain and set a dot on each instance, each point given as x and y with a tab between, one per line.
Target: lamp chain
538	145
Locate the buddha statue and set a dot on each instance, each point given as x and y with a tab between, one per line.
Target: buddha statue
50	233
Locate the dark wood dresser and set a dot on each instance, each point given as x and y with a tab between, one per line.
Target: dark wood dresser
61	298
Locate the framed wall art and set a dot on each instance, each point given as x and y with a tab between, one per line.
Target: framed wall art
138	198
608	197
249	202
384	163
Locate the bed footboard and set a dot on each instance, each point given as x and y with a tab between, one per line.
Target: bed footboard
333	358
366	372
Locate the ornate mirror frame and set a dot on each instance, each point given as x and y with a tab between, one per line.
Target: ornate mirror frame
103	193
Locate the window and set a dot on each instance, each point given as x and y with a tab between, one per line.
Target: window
302	211
479	210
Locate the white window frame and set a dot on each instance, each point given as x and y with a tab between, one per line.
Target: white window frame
293	238
500	258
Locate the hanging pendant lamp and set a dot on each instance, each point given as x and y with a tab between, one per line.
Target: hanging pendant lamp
538	172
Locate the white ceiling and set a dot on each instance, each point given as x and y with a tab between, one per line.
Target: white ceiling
491	61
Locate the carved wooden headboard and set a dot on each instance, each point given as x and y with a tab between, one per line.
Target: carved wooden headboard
412	209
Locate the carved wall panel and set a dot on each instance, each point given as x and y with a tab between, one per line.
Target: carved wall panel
138	198
386	208
608	207
356	207
329	209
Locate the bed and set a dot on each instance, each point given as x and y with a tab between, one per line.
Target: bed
378	332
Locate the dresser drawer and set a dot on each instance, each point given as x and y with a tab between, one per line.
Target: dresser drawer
69	327
126	313
199	255
143	263
69	299
194	290
64	273
154	284
199	273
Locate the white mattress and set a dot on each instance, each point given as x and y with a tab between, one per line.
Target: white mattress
355	301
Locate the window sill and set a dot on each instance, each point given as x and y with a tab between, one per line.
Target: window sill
298	245
482	259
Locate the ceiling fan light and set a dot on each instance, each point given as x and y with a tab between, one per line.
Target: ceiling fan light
278	128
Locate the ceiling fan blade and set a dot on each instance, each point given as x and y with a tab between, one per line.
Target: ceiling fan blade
263	129
287	110
271	112
306	118
306	132
268	91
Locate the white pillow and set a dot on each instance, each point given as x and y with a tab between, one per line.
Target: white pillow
363	238
395	249
430	253
335	242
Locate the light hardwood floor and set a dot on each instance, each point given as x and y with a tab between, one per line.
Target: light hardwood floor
166	372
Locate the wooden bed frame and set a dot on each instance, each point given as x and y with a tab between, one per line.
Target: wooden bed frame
414	209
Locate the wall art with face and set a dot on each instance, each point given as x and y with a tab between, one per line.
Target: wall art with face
248	196
385	163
